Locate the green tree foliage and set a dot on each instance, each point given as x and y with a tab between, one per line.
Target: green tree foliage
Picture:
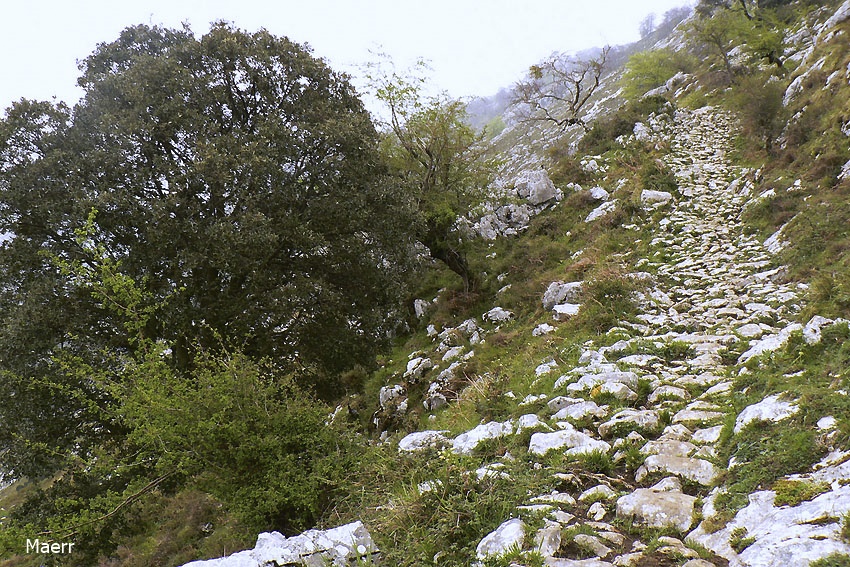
436	158
646	70
758	100
240	430
235	175
756	28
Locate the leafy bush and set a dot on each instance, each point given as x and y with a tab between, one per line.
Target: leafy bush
606	299
602	136
243	433
757	98
647	70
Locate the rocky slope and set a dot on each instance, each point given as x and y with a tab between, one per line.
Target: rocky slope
695	432
711	291
713	282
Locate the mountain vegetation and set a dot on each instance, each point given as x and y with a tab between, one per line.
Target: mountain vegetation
234	302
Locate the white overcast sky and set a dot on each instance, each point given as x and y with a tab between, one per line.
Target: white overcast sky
475	47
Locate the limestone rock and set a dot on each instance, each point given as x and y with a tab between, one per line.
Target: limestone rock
558	562
547	540
422	440
658	507
580	410
338	547
510	534
632	419
593	544
770	343
389	394
812	330
564	311
599	194
420	307
560	292
535	187
790	535
696	470
769	409
465	443
575	442
601	210
589	381
654	199
498	315
417	367
542	329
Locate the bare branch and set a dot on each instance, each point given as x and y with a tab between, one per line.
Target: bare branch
558	90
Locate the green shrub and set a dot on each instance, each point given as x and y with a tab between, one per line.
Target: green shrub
602	136
757	98
606	299
647	70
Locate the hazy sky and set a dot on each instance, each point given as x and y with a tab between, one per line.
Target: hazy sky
475	46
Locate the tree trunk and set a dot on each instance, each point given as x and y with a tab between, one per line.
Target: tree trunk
456	262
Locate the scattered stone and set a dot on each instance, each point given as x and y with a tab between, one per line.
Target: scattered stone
535	186
389	394
417	367
592	544
590	381
422	440
339	547
812	330
654	199
465	443
542	329
545	368
557	562
597	492
662	506
556	497
770	343
560	292
529	421
769	409
498	315
599	194
420	307
508	535
696	470
708	435
601	210
580	410
630	418
547	540
575	442
564	311
597	511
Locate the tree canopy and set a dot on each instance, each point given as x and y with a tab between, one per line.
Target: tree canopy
234	178
435	157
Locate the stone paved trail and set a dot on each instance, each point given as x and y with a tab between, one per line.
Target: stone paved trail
711	287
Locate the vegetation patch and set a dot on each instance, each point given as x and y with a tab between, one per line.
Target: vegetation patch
793	492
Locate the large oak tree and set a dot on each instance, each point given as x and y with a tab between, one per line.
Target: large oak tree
234	177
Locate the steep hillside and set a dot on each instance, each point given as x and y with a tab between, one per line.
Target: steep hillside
655	370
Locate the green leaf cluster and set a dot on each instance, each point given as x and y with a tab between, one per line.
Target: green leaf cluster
240	199
647	70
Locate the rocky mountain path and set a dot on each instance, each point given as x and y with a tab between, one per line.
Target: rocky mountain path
709	286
